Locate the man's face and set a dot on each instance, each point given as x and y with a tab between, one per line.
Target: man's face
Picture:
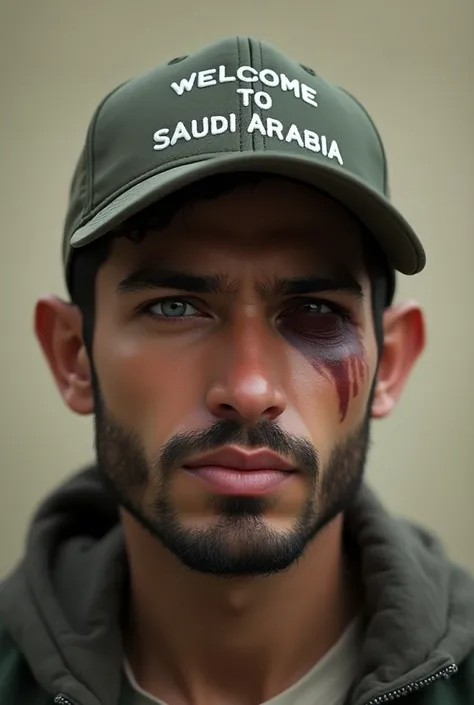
244	325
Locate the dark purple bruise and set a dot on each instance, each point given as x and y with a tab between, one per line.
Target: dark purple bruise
343	361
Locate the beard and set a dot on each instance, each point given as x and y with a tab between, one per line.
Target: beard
239	542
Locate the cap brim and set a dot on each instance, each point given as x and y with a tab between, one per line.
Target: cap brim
395	236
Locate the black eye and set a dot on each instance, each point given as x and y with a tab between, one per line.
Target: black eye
316	307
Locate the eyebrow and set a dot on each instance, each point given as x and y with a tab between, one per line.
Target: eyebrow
151	278
147	278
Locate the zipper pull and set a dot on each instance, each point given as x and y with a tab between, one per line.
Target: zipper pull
62	700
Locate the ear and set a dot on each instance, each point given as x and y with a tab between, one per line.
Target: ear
404	340
58	327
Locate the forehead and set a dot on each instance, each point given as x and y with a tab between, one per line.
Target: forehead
275	223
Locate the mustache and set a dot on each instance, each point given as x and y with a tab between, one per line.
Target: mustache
266	434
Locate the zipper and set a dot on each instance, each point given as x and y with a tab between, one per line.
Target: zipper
62	700
391	695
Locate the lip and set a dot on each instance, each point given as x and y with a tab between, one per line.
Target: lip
244	461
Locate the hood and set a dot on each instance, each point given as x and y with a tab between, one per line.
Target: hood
62	604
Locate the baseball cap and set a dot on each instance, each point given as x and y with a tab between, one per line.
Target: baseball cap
237	105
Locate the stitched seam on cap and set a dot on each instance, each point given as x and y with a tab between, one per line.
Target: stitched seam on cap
87	168
379	138
264	137
241	139
253	105
91	151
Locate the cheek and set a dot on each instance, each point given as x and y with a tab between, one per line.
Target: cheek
144	384
337	354
347	369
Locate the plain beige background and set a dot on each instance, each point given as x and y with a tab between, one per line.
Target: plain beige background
410	61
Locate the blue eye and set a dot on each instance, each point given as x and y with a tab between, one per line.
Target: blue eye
172	308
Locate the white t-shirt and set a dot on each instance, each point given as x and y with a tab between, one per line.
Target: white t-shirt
327	683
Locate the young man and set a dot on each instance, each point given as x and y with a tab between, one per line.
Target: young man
230	252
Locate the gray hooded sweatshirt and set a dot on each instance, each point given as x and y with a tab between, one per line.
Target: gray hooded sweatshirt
60	610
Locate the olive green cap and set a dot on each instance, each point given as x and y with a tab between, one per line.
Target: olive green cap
236	105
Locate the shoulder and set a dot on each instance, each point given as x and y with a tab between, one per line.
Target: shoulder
17	684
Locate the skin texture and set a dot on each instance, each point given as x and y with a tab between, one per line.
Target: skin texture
239	596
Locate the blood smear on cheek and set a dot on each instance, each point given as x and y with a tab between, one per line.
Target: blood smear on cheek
348	374
344	364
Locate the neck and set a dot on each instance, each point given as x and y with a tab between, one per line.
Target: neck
204	639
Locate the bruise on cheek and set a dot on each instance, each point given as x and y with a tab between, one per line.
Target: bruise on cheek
340	358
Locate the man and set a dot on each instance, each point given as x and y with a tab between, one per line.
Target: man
230	252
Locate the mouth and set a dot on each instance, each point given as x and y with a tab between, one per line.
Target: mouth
232	471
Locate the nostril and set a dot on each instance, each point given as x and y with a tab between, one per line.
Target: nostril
227	410
272	413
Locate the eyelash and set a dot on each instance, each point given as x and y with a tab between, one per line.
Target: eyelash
146	308
337	309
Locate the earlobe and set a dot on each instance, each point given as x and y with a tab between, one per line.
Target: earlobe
404	340
58	327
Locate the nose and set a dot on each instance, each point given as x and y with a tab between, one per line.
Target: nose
247	387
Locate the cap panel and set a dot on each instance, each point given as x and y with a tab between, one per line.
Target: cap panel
236	105
312	117
164	116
